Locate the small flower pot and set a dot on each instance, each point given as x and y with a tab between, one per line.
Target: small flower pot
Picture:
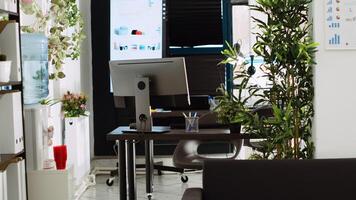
5	71
235	128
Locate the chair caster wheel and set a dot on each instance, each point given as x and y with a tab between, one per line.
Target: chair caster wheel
149	196
184	178
110	182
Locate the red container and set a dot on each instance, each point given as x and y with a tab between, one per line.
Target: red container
60	156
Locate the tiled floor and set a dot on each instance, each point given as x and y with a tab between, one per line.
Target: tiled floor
166	187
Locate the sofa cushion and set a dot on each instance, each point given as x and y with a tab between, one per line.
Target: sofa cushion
280	180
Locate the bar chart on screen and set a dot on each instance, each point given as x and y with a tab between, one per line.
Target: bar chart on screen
335	40
340	24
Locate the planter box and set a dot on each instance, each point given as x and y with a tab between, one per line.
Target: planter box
11	137
78	147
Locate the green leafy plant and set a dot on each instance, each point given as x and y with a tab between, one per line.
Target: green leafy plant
42	19
49	101
3	57
288	51
65	17
232	108
74	105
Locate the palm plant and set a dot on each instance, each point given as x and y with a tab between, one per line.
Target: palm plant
288	51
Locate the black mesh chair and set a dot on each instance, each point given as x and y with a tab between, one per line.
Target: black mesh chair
186	155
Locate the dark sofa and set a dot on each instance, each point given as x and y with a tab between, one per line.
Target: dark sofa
333	179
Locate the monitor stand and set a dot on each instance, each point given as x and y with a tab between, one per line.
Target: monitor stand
142	104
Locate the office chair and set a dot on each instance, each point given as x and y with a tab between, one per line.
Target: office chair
186	155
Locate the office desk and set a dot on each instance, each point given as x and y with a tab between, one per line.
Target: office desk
126	156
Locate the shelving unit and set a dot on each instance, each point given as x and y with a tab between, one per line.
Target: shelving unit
6	160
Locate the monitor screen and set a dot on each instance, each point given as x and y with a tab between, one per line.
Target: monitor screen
136	29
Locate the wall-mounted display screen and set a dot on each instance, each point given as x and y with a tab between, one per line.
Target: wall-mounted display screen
136	29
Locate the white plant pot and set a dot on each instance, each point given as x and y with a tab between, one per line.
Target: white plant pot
5	71
78	147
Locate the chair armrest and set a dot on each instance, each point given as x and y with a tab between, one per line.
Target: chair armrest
193	194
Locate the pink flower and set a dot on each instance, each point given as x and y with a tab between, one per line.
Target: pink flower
27	1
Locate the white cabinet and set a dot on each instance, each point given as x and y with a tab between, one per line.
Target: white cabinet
16	182
9	5
11	132
78	147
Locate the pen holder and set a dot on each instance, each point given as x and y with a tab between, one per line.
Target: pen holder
192	124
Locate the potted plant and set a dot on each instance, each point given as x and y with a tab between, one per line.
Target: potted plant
288	50
231	109
76	131
74	105
5	68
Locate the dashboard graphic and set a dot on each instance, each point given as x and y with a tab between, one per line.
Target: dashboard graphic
136	29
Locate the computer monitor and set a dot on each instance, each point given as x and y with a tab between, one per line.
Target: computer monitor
145	78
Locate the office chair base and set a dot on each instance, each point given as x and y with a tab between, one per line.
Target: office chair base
149	195
157	166
110	181
184	178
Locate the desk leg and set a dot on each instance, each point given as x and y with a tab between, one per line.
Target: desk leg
131	170
122	169
149	166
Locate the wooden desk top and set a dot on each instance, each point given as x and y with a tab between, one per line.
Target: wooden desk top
178	134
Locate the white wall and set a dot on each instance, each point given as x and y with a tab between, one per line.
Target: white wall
335	96
86	67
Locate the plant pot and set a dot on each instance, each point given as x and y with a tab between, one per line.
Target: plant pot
235	128
5	71
78	145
